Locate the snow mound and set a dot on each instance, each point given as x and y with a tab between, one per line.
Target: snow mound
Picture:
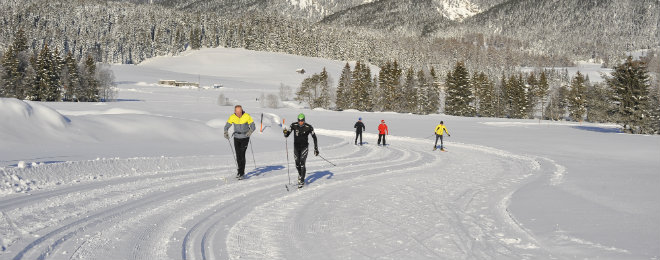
31	113
23	120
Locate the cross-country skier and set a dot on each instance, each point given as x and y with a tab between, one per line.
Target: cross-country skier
439	131
382	131
300	131
243	128
359	127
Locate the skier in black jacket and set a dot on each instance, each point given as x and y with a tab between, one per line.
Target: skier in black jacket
359	127
300	132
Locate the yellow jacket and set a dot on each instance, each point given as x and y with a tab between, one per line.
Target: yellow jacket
241	124
441	129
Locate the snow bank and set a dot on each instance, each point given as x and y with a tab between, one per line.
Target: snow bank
40	176
23	120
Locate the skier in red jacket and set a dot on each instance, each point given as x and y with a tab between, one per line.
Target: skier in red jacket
382	131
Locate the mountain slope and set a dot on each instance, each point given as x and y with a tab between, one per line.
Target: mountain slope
407	17
584	27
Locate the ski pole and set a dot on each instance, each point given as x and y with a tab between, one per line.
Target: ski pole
232	153
253	160
327	160
288	172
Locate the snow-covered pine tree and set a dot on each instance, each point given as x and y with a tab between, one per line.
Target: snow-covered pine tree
41	85
324	98
542	91
344	88
376	94
389	80
485	93
361	85
518	97
433	92
556	109
630	92
90	89
503	103
409	92
577	97
423	87
599	107
532	97
70	78
459	95
55	91
15	63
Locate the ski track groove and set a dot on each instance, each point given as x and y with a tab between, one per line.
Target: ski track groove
214	223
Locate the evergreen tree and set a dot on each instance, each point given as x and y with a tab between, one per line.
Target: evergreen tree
15	65
42	90
361	87
556	109
542	91
532	97
423	87
70	78
517	95
577	100
503	102
433	92
630	92
389	82
324	99
90	89
485	92
409	92
344	88
599	106
459	95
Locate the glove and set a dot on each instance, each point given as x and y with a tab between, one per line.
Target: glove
316	151
227	135
249	133
285	132
449	135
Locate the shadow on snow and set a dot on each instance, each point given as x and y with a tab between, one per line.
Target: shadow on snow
315	176
262	170
599	129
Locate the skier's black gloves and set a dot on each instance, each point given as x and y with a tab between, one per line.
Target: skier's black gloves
316	151
227	135
285	132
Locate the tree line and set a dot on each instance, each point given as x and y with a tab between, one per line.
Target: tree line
627	97
48	75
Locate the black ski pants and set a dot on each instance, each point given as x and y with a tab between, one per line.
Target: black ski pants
241	145
300	156
358	133
381	136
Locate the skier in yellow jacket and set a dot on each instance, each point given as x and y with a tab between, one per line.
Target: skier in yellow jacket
439	131
243	128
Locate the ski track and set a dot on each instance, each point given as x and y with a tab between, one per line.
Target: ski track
400	201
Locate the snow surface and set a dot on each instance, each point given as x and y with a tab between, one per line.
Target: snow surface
458	10
151	177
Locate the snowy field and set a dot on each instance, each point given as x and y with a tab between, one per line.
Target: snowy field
151	177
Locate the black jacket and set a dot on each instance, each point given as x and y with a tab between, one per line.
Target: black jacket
359	127
300	134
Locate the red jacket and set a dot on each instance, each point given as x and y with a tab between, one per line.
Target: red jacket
382	129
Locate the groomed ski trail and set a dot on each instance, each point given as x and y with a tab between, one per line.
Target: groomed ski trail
400	201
